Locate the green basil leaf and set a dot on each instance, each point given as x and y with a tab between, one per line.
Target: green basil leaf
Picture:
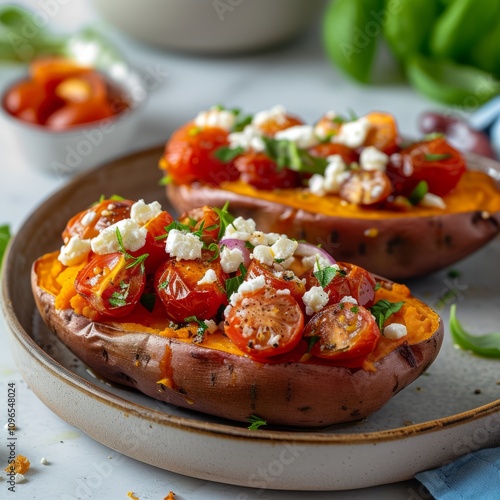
421	189
437	157
226	154
461	24
350	32
5	237
408	25
326	275
451	83
487	345
383	309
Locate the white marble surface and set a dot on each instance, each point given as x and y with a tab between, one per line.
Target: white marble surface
297	76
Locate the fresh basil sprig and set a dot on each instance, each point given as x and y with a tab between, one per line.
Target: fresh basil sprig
383	309
487	345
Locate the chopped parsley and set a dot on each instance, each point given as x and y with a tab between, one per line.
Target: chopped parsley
202	327
119	298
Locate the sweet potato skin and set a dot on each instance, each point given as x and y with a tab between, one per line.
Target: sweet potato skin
231	386
398	249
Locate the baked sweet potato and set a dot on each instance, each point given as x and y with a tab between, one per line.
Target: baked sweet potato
400	210
318	369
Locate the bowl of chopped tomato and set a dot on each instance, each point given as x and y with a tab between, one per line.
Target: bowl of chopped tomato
73	115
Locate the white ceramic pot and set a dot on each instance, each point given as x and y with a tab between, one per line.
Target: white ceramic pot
211	26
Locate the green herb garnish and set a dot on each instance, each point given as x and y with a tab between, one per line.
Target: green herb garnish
5	237
232	284
326	275
135	261
421	189
487	345
225	219
437	157
311	341
226	154
148	301
202	327
255	422
119	299
383	309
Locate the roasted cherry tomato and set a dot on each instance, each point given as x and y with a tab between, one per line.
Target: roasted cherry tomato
209	225
61	94
366	187
383	133
88	223
112	283
325	149
260	171
433	161
351	280
189	156
265	323
273	125
278	278
343	331
177	285
155	241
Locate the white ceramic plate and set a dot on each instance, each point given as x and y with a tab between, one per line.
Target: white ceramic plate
453	409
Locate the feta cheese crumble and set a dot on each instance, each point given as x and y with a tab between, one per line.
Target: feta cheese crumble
143	213
240	225
373	159
277	113
88	218
74	252
183	245
336	173
214	117
395	331
315	299
302	135
230	259
208	278
249	138
133	237
353	134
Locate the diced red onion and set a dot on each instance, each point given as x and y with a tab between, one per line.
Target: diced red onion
308	249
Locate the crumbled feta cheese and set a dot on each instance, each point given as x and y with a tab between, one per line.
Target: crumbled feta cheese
249	138
143	213
258	238
263	254
302	135
74	252
211	325
372	158
353	134
277	113
395	331
240	225
349	300
283	248
317	185
19	478
336	173
182	245
133	237
220	118
315	299
230	259
430	200
44	461
208	278
248	286
88	218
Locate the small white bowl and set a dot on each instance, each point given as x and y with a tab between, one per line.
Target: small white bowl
211	26
64	153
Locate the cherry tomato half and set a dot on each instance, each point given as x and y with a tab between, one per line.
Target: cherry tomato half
88	223
189	156
383	133
265	323
434	161
344	331
260	171
278	278
176	283
273	125
326	149
111	283
366	187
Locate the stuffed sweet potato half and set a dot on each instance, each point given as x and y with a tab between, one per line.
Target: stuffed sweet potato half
401	210
208	313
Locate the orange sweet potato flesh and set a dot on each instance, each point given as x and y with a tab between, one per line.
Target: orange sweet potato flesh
397	245
216	378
